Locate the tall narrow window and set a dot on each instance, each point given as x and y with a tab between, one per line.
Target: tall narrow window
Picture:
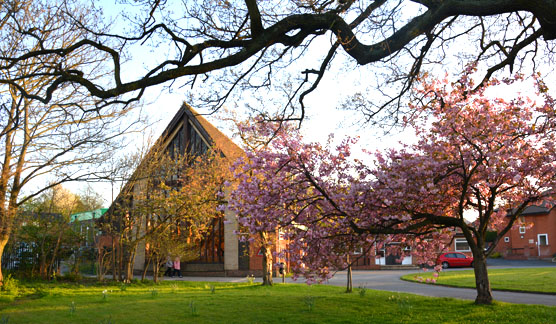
543	239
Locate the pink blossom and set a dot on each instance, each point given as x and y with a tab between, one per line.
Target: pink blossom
474	154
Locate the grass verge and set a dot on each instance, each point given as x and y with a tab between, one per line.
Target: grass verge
194	302
541	280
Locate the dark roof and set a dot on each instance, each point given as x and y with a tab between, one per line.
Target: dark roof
216	138
220	141
534	210
29	215
541	208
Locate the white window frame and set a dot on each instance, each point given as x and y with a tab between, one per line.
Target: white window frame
506	239
539	239
461	240
522	230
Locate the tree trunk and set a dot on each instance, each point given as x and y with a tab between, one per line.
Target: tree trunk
267	265
156	267
4	236
120	262
42	264
51	269
146	267
113	258
349	287
484	294
129	261
100	264
128	271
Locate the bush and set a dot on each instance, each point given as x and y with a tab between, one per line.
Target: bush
72	277
495	255
10	285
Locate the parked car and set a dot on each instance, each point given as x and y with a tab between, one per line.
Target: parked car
454	259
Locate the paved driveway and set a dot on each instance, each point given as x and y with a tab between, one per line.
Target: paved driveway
389	280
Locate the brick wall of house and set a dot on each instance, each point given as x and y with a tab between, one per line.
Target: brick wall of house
527	243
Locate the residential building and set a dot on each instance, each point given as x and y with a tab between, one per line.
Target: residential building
534	236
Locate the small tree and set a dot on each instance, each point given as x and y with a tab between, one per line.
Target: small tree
257	139
307	191
175	200
45	230
180	212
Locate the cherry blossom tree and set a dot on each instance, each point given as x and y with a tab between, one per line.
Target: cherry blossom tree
485	157
479	161
320	198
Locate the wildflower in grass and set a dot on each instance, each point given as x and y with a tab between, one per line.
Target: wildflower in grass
72	308
362	291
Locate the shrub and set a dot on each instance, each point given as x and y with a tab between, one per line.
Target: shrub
495	255
72	277
10	285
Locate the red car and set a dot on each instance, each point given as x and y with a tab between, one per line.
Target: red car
454	259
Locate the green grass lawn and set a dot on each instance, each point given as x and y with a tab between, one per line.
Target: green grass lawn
519	279
188	302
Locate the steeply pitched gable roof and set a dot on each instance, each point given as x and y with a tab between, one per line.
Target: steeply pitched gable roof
212	134
215	137
220	141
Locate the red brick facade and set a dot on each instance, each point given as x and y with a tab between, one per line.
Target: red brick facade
535	240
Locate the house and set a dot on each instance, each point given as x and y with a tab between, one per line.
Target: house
85	223
534	237
220	252
379	258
